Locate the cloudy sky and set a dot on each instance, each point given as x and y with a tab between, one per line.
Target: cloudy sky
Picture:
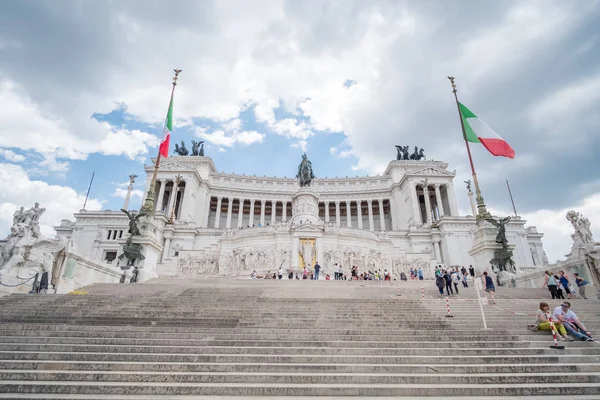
84	87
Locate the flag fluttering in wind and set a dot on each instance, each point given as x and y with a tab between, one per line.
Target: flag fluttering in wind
164	143
476	131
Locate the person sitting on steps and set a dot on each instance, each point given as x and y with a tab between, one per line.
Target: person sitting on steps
572	324
543	324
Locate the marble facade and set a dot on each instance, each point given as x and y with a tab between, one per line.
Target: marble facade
229	224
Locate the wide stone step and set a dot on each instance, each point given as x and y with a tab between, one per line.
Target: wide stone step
301	378
300	389
549	356
297	367
282	343
592	349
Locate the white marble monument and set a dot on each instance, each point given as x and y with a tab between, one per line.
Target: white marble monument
229	224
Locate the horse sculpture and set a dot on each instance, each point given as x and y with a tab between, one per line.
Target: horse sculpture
417	154
305	172
198	148
181	150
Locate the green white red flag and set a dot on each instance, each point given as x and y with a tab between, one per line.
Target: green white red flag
164	143
477	131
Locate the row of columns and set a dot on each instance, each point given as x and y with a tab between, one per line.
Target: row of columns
241	213
172	196
347	204
359	214
428	208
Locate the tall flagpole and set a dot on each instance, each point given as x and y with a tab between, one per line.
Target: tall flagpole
89	188
482	212
511	198
148	206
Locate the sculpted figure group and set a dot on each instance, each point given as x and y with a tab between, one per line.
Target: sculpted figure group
26	246
197	149
403	153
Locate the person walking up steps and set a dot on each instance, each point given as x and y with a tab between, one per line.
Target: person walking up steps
580	282
448	280
550	283
440	283
455	280
490	289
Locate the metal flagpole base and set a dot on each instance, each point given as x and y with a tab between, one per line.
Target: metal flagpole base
558	347
449	316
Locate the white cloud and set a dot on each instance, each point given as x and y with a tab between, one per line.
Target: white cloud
333	151
54	137
229	139
122	193
557	230
60	201
300	144
10	155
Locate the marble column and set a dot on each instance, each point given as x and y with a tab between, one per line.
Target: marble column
208	210
167	249
251	218
326	211
438	251
452	200
172	198
187	208
241	213
370	207
438	200
161	195
359	213
337	213
262	212
218	213
427	203
229	211
284	211
381	216
273	211
348	215
415	203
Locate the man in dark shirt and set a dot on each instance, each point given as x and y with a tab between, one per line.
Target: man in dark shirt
472	271
317	269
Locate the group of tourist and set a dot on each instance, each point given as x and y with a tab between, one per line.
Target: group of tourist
564	321
559	285
451	277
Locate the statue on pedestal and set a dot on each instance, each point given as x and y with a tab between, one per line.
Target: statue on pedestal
132	251
305	172
585	243
26	247
502	261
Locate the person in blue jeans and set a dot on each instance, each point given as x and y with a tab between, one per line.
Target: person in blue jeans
317	269
571	323
420	273
490	289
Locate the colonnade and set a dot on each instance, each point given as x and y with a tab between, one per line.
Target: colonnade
173	199
280	210
433	207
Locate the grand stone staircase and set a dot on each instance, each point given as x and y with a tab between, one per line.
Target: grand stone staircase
215	338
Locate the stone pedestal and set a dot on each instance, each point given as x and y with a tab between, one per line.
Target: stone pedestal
484	246
150	238
305	206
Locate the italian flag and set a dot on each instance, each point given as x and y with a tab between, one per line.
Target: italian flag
478	132
164	143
